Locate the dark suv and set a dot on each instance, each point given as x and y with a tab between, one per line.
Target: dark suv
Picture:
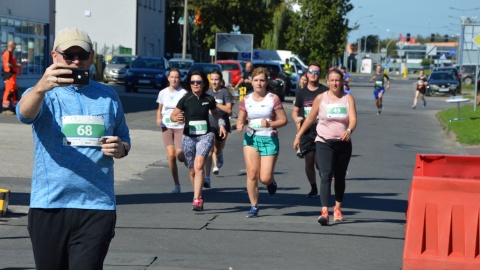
146	72
279	80
452	70
443	82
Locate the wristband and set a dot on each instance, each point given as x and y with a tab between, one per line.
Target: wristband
221	122
349	130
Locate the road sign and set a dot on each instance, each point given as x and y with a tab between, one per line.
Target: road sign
453	52
476	40
389	59
431	50
443	57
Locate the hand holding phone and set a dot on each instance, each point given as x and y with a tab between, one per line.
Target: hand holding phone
79	76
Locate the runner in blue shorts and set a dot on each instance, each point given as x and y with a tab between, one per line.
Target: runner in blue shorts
379	87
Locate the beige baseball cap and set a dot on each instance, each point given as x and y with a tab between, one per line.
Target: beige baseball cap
70	37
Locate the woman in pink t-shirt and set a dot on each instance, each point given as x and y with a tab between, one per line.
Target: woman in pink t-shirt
337	118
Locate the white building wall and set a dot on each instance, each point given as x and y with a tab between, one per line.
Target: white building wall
35	10
151	28
108	22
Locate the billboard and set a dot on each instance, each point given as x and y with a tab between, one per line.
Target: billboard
234	43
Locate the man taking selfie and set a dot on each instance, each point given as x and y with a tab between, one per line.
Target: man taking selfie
77	130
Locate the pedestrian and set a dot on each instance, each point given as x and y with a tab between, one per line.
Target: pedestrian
302	107
172	132
287	67
10	71
77	130
337	119
346	80
198	139
224	100
246	80
421	88
265	114
379	88
303	81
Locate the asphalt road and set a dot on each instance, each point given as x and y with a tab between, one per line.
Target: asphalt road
157	230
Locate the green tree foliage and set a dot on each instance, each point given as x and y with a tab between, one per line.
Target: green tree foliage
275	38
218	16
318	32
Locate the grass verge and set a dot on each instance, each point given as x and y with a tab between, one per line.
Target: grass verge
466	131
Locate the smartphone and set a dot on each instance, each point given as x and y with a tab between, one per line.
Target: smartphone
80	76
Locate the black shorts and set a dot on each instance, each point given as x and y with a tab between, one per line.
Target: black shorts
422	90
70	238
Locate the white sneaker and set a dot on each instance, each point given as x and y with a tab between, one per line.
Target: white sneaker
215	170
176	189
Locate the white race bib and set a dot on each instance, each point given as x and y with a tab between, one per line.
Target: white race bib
306	111
81	130
256	124
219	101
338	111
169	123
197	127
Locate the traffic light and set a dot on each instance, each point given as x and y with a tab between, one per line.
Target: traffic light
408	37
445	38
432	38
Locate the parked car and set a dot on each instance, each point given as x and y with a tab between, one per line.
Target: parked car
93	72
182	64
234	68
468	73
115	69
207	68
146	72
279	80
443	82
452	70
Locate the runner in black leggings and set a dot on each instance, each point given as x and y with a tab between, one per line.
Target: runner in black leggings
197	141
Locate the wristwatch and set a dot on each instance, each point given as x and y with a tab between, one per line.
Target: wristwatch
126	149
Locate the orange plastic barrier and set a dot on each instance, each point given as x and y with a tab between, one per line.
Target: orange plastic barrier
443	215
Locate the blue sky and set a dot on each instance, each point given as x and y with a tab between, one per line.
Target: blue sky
417	17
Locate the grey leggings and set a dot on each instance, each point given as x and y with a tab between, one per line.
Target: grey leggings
332	161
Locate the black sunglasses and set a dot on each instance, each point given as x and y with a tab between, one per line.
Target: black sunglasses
196	82
70	56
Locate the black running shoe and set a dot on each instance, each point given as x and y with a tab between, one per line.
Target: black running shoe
272	188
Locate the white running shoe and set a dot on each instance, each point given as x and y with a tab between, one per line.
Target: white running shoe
215	170
176	189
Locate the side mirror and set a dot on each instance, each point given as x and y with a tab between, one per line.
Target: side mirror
300	72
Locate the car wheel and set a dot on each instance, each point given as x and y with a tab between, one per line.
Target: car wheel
453	92
467	80
128	89
428	92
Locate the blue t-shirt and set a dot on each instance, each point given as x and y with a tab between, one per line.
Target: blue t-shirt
66	176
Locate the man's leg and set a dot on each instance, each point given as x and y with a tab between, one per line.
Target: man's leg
90	240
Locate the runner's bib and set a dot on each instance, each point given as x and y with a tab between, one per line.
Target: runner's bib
81	130
338	111
169	123
306	111
379	84
197	127
219	101
256	124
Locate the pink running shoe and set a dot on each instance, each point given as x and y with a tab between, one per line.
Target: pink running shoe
323	218
337	214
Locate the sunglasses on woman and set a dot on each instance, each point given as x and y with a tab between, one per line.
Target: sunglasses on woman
196	82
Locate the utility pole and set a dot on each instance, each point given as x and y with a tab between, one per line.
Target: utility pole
185	25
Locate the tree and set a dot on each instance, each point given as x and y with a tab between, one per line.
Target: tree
274	39
425	62
318	31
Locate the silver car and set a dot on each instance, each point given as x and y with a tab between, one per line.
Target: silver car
117	67
183	66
